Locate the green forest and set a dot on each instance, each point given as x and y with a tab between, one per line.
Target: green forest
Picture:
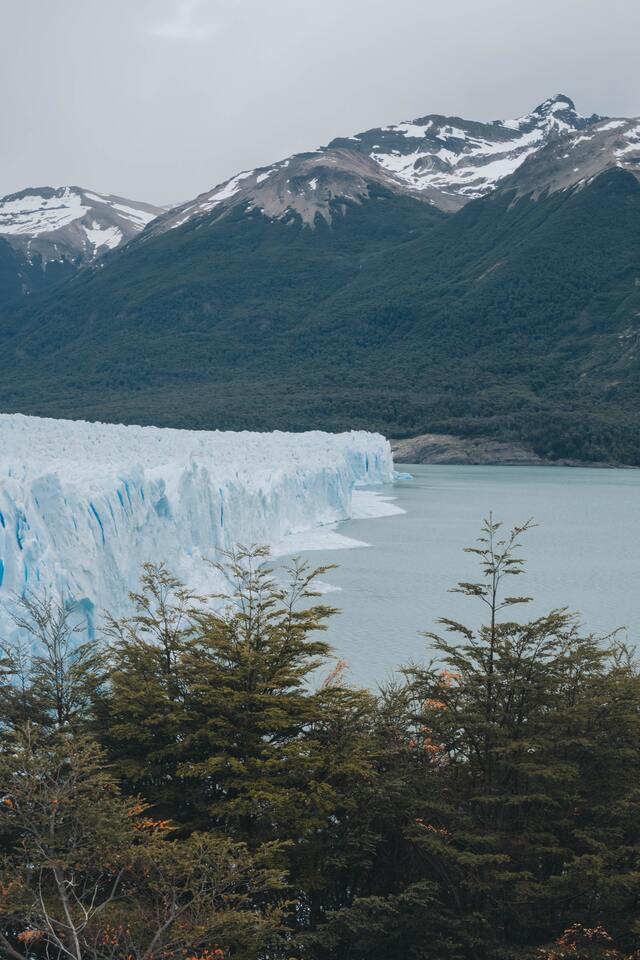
516	318
204	782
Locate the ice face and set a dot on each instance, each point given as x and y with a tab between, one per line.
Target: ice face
84	505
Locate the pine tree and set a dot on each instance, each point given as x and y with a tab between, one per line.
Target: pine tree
253	712
506	717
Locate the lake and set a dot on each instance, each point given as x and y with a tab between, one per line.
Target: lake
584	554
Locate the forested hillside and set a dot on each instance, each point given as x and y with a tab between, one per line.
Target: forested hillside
518	317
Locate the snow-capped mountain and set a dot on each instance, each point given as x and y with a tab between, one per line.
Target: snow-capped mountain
580	156
84	505
70	224
451	161
446	161
400	316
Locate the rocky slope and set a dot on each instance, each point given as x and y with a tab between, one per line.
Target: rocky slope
445	448
449	450
445	161
51	231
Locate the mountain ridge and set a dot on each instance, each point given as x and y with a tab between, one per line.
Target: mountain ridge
517	317
58	229
445	161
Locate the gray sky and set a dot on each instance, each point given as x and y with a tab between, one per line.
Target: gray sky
159	100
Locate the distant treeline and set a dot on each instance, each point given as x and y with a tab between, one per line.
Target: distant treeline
186	787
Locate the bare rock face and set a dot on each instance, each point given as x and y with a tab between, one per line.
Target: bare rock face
445	448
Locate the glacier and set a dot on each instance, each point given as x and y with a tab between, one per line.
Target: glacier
84	505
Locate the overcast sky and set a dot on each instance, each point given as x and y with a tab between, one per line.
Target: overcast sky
159	100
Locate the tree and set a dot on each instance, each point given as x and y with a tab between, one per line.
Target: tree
252	712
90	876
52	675
584	943
506	717
140	721
233	733
517	765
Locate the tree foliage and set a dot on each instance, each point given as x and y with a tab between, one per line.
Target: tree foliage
211	785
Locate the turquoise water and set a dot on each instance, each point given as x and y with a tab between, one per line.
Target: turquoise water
584	554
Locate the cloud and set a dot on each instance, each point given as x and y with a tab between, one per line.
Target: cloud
184	23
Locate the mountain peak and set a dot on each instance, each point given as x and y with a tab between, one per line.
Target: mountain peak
68	225
554	115
556	104
443	160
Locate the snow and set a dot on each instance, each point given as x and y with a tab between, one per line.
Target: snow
474	165
83	505
178	223
313	183
472	160
136	215
225	192
612	125
630	148
558	105
99	236
472	172
35	214
263	176
413	129
95	197
634	146
449	131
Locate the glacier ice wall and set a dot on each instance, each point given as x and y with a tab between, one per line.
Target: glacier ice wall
84	505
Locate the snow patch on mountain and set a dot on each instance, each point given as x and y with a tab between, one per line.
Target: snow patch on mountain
109	237
444	161
69	223
35	213
468	159
84	505
633	145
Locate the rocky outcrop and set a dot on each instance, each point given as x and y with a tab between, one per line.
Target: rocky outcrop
446	448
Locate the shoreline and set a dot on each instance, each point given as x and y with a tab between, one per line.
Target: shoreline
450	450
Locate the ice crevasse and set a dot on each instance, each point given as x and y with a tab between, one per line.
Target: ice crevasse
84	505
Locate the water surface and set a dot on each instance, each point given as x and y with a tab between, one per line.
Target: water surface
584	554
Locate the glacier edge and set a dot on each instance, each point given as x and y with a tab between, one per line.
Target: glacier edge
84	505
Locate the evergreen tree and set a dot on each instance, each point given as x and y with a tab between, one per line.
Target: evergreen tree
255	721
140	721
520	826
220	720
507	717
485	806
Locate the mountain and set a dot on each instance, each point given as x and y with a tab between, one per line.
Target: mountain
451	161
445	161
46	233
330	291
